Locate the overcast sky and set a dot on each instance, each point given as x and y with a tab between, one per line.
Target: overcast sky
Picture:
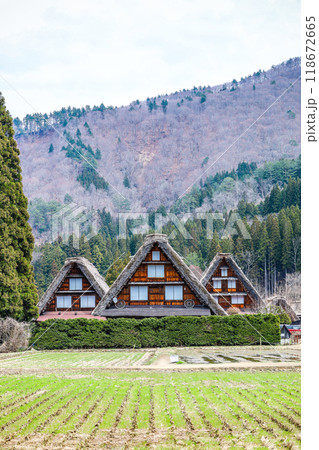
85	52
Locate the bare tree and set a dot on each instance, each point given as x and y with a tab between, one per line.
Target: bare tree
13	335
291	290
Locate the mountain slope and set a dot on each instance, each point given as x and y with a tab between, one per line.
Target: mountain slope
152	151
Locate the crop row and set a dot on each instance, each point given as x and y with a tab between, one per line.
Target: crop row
83	411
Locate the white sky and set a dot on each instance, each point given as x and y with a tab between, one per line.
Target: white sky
60	53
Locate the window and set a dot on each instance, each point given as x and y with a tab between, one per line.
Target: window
156	256
75	284
88	301
224	271
237	300
231	284
139	293
63	301
173	292
155	271
217	284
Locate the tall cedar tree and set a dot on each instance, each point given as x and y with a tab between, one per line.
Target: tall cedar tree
18	294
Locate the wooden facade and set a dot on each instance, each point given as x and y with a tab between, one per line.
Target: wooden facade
77	289
76	295
157	283
229	286
156	286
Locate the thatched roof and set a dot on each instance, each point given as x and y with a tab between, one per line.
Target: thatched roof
89	271
197	271
279	301
187	275
229	260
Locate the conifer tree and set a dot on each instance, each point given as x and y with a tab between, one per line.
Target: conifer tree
214	246
97	257
18	294
287	250
117	267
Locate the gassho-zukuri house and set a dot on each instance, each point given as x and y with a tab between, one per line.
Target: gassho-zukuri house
229	286
75	291
155	283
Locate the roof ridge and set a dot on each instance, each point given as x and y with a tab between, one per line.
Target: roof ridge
177	261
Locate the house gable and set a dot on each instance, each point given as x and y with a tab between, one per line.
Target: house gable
81	299
77	287
228	284
157	285
158	282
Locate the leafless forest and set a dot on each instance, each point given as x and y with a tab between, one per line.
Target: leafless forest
152	150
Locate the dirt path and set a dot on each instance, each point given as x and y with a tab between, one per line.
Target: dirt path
167	359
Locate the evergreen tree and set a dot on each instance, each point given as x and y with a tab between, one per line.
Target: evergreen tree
85	249
287	249
275	199
214	246
117	267
164	105
97	257
18	295
126	181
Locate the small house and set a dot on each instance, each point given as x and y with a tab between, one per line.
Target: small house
75	291
229	286
290	334
157	283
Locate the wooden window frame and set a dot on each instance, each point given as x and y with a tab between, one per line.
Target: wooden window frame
59	297
233	297
85	297
75	280
174	286
159	255
139	300
152	266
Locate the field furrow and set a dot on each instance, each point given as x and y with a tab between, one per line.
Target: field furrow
83	402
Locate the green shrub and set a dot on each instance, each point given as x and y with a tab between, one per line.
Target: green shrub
154	332
284	318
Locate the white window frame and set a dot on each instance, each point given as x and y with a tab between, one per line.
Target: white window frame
217	284
77	282
156	255
224	271
231	284
155	271
88	301
237	299
139	293
174	292
63	301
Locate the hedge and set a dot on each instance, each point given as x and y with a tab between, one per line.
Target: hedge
54	334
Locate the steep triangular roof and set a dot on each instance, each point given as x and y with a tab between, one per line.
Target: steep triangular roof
161	241
240	274
279	301
89	271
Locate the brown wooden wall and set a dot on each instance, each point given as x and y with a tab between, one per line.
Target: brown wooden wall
156	292
64	288
225	300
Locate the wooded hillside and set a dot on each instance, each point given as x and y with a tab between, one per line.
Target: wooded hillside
152	150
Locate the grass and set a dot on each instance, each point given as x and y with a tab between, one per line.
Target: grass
48	401
71	359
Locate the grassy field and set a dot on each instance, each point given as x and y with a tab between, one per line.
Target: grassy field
61	405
